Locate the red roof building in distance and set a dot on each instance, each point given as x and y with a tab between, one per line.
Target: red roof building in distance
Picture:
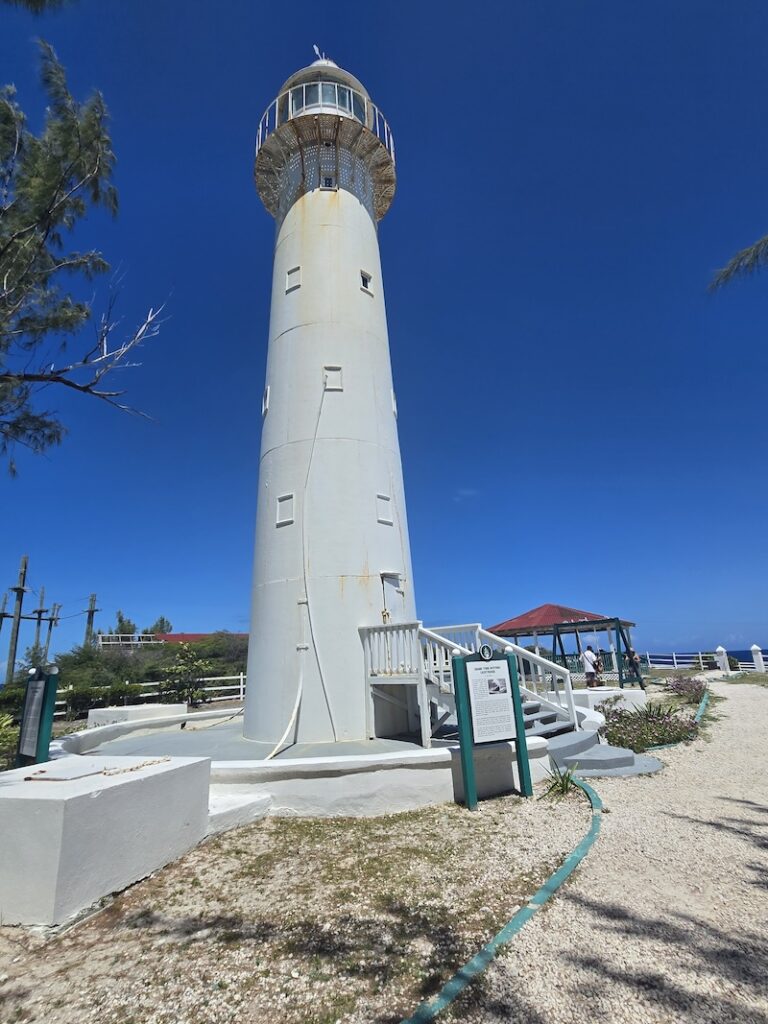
190	638
544	618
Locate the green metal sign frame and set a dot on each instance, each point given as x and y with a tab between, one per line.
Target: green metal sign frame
466	736
37	716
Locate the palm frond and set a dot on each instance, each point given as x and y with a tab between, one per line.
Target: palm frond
753	258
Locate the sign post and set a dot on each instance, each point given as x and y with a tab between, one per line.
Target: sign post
37	716
489	709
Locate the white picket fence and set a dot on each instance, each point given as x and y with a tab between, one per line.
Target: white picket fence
712	660
218	688
695	660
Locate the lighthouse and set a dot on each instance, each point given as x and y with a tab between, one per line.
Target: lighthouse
332	551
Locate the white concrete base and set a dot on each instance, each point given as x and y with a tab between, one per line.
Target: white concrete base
341	786
631	697
589	720
133	713
370	785
234	806
79	828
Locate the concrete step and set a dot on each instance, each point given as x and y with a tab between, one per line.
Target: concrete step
550	730
571	743
530	707
643	764
541	717
600	757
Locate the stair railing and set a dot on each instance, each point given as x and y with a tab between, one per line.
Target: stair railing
540	678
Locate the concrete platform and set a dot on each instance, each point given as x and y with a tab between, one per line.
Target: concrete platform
363	778
80	828
224	741
629	697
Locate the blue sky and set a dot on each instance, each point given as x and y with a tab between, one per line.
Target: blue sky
581	422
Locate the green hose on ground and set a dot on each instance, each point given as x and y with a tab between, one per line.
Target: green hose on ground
448	993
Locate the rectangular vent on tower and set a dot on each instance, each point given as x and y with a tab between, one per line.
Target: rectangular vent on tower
284	510
332	378
384	509
265	401
394	402
365	282
328	181
293	279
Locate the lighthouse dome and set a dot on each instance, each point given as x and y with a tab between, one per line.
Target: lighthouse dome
324	70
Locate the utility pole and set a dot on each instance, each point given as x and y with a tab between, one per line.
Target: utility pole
19	590
92	609
38	613
53	620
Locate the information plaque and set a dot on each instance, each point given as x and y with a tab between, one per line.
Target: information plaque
32	714
489	709
490	701
37	716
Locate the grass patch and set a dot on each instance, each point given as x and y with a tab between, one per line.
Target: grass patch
757	678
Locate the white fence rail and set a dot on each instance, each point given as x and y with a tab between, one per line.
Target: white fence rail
217	688
695	660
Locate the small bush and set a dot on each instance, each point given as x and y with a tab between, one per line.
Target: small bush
649	726
689	689
560	781
9	738
11	700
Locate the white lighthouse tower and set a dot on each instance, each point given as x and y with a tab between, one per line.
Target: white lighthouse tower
332	550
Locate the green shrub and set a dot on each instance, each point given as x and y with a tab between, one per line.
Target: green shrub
11	700
689	689
650	726
9	738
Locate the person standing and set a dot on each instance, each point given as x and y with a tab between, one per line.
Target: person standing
589	660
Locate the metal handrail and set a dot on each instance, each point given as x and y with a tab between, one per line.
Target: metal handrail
555	670
332	98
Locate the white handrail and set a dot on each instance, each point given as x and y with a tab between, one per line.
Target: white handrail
546	666
442	641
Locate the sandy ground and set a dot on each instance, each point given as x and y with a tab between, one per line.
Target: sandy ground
667	919
301	921
351	922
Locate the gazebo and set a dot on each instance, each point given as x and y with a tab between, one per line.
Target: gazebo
557	621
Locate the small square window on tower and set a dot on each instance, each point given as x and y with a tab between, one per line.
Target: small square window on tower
365	281
332	378
328	181
284	510
384	509
293	279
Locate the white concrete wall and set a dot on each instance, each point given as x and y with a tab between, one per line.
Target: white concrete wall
68	843
334	451
133	713
369	785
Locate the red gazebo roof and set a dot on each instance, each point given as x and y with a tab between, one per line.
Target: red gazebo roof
545	617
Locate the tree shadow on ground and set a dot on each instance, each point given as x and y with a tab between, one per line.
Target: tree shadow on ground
377	949
697	948
751	830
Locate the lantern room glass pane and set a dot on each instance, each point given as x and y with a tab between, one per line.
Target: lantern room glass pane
329	94
358	107
282	108
297	99
343	97
312	97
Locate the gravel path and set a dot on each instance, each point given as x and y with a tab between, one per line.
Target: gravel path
667	920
